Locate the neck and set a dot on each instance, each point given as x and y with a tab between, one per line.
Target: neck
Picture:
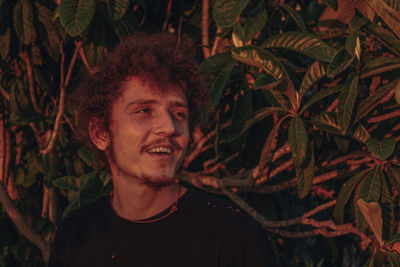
134	201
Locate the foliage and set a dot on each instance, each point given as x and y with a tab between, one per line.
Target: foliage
304	123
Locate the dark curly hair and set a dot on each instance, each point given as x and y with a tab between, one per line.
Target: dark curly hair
152	55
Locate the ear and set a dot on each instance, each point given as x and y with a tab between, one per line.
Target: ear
99	136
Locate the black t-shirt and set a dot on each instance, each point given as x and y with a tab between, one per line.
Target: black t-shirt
202	232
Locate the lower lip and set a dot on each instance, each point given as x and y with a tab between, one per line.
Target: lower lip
161	156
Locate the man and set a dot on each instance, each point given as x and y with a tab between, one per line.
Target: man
138	111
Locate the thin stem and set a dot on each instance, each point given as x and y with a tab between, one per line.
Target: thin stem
167	15
204	29
25	58
216	41
4	93
61	105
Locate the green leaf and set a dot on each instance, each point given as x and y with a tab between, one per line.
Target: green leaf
75	16
226	12
305	43
347	99
342	142
360	133
323	93
380	65
331	3
382	149
67	183
385	36
91	189
371	187
372	101
327	122
255	56
305	174
298	140
295	16
117	8
339	63
345	194
255	21
314	73
393	174
5	44
351	43
36	55
243	106
23	21
87	155
214	64
220	83
357	22
277	98
254	118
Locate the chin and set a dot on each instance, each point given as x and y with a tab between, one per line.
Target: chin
157	181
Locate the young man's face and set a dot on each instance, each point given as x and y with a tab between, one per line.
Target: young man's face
148	132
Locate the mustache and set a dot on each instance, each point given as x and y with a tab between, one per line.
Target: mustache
166	142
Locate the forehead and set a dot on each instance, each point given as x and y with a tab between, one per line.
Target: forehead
147	88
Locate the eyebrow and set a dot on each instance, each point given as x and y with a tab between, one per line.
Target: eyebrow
153	102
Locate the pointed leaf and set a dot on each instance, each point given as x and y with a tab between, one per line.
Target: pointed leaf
5	44
243	106
305	43
372	101
347	98
254	118
391	41
382	149
295	16
67	183
370	189
331	3
86	154
226	12
305	175
23	21
314	73
117	8
255	56
323	93
91	190
393	174
380	65
220	83
372	212
345	194
388	15
255	21
214	64
75	16
327	122
360	133
339	63
298	140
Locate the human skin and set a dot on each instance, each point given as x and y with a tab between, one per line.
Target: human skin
145	145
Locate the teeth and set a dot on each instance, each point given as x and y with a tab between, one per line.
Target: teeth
161	150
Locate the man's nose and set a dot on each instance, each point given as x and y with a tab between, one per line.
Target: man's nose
166	125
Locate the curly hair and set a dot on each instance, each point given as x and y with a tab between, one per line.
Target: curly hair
150	55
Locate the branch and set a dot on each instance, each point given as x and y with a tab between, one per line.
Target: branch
85	62
25	58
216	41
22	225
60	112
204	29
167	15
5	94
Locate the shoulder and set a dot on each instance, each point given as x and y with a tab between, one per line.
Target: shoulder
82	220
217	210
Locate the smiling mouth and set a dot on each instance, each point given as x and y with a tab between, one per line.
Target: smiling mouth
160	150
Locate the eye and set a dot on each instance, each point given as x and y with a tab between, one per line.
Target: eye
180	115
143	111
